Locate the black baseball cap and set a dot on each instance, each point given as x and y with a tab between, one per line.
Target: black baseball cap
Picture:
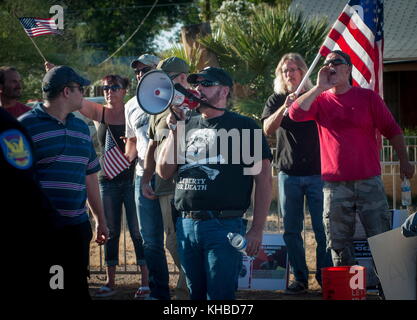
59	76
212	74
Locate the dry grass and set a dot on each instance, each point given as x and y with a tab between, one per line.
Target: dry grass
128	283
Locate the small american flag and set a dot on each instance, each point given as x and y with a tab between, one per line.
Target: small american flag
114	161
359	32
35	27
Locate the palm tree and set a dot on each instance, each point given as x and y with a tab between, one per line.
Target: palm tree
178	50
250	49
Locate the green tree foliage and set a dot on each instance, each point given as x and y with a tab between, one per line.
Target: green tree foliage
17	50
210	8
92	31
250	48
106	24
177	50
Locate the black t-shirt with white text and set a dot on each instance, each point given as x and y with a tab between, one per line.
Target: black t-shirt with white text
219	152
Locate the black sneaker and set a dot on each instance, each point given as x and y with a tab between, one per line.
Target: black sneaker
296	287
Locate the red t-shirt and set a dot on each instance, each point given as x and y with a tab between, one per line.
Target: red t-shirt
18	109
347	126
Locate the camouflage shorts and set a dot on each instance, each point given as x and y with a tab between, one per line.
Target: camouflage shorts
342	200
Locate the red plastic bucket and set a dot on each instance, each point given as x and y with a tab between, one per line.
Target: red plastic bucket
344	283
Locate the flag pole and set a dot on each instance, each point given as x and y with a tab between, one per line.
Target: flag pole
314	63
37	48
307	75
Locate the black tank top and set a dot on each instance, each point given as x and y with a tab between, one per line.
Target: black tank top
117	130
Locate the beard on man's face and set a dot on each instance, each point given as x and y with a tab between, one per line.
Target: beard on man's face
12	93
213	100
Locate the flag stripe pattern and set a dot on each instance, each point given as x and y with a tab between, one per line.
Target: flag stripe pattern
114	161
35	27
358	31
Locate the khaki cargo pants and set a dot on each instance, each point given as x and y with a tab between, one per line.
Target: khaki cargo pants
342	200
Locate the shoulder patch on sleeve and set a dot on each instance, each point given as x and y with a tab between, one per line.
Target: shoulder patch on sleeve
16	149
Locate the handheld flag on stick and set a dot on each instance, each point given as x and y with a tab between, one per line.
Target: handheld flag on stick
358	31
35	27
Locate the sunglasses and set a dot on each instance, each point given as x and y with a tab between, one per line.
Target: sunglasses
143	70
112	88
207	83
334	62
81	88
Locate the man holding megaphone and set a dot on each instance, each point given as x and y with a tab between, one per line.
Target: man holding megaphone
212	191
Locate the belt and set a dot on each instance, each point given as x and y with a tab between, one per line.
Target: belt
212	214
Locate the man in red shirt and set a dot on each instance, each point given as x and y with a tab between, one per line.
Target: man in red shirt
347	119
11	90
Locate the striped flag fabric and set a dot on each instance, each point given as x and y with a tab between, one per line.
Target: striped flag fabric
358	31
114	161
36	27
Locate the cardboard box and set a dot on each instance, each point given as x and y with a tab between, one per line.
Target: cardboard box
269	270
363	253
396	260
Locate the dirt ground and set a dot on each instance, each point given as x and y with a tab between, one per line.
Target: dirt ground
128	279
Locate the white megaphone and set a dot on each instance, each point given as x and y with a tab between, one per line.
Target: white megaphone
156	92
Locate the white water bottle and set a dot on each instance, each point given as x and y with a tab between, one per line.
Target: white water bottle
405	192
237	241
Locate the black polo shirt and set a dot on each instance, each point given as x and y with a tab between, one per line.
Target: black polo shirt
298	146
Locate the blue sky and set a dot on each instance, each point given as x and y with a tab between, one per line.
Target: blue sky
166	38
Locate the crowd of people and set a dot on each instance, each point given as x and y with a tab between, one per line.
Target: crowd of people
190	177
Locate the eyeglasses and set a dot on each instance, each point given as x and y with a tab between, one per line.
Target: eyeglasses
334	62
112	88
143	70
207	83
81	88
290	70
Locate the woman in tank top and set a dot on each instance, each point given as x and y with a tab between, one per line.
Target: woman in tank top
117	188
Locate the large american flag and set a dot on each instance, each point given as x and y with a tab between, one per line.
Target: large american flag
359	32
35	27
114	161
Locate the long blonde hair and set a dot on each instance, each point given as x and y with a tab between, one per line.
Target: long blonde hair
279	83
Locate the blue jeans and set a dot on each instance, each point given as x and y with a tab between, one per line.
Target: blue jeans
292	190
114	194
152	230
210	263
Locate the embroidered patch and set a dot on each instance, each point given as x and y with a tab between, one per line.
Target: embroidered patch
16	149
